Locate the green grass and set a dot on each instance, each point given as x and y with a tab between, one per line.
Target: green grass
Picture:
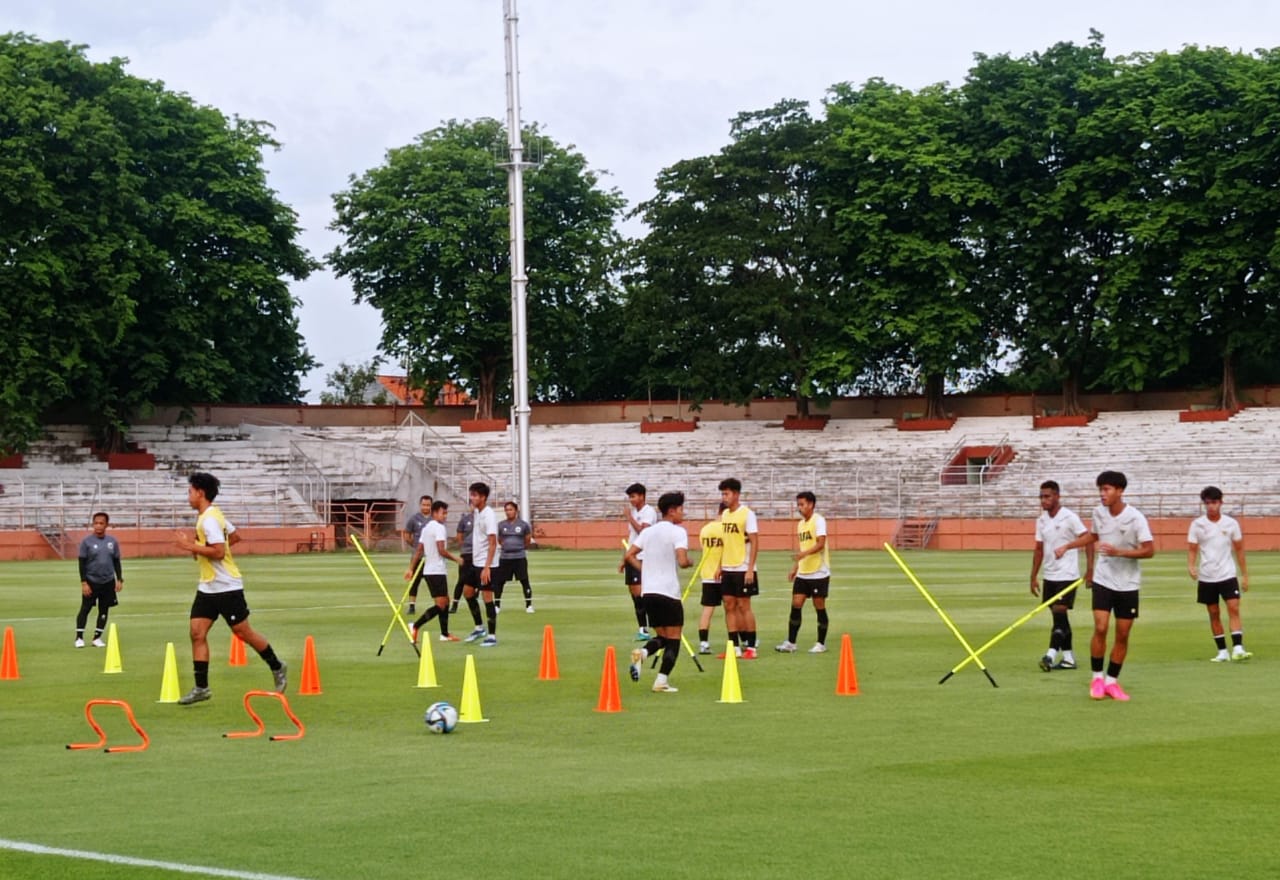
907	779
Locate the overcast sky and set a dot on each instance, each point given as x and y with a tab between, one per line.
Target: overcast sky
635	86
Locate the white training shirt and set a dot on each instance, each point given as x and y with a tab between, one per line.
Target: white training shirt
484	524
660	574
432	561
1053	532
1217	557
1127	531
647	516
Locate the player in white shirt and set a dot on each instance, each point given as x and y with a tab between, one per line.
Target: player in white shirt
1123	537
484	558
1216	538
432	550
664	547
1058	525
639	516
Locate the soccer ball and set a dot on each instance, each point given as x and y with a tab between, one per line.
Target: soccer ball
441	718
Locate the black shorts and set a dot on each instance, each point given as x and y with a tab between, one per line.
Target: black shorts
711	597
630	575
815	587
1210	593
463	568
663	610
734	583
471	577
1122	604
104	594
231	607
437	585
1052	587
508	569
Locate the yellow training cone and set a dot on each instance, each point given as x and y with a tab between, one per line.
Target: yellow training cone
427	665
730	687
113	651
470	713
169	689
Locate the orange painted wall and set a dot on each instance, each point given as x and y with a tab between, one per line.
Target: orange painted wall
136	543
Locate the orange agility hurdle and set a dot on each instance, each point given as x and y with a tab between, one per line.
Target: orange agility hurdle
102	737
239	734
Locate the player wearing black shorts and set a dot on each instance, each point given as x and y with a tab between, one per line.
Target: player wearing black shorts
100	578
665	549
639	516
810	576
411	533
431	550
514	537
738	567
1215	542
1057	525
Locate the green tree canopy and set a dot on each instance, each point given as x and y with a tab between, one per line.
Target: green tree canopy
143	258
426	242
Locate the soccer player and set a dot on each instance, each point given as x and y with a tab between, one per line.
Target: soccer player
432	551
1215	537
1123	537
712	540
100	579
463	537
810	576
639	517
514	537
220	591
1055	526
411	533
738	568
485	557
656	552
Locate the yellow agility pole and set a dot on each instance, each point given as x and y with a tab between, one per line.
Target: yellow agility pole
947	620
395	609
1011	627
391	625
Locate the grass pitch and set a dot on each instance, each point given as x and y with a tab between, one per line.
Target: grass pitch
908	779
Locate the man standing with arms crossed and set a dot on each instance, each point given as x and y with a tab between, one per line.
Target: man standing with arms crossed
666	550
1215	537
738	567
1056	526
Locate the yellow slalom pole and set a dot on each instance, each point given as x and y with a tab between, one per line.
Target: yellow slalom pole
1011	627
395	609
947	620
391	625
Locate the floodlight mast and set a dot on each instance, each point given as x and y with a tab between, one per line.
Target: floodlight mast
519	324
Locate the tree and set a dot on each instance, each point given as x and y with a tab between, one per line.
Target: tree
144	256
351	383
736	288
426	243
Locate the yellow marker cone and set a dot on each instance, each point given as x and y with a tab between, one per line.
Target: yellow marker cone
427	664
169	688
113	651
470	713
730	687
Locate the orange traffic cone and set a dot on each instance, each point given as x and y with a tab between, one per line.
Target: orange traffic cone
548	669
847	677
310	674
610	699
236	657
9	660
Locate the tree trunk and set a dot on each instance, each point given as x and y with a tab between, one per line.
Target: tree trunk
933	396
802	406
1227	398
486	391
1071	392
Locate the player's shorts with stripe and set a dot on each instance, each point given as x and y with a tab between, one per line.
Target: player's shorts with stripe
711	597
1123	604
1210	593
1051	589
663	610
816	588
231	607
734	583
630	575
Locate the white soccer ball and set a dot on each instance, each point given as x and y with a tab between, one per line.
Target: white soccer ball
441	718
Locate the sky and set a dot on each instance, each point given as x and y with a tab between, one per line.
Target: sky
634	86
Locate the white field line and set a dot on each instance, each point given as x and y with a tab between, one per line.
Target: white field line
178	867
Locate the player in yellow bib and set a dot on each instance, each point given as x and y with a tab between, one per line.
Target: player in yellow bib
712	540
810	576
740	537
220	591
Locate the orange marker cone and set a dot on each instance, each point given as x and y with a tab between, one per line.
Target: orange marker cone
236	657
847	677
548	669
9	660
610	698
310	674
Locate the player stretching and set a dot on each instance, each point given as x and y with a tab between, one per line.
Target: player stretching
1123	537
1057	525
665	546
639	517
1216	536
810	576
